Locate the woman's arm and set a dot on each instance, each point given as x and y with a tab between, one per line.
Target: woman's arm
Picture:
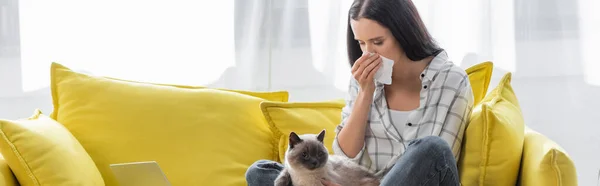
350	134
350	137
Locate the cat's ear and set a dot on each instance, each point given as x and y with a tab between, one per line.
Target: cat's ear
294	139
321	136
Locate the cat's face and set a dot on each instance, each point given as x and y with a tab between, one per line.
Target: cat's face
307	151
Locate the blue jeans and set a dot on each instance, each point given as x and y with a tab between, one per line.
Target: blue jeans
427	161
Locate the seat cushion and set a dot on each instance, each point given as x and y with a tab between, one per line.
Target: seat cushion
493	142
302	118
545	163
479	77
197	135
41	151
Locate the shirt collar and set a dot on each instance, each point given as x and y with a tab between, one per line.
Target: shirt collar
434	66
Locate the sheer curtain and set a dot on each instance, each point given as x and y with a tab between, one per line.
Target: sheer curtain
179	42
299	46
256	45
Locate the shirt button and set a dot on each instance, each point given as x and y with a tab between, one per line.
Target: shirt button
425	87
422	75
409	124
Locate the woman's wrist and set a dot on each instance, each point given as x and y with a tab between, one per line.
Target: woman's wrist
365	95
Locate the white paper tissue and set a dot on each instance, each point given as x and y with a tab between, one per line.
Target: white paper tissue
384	74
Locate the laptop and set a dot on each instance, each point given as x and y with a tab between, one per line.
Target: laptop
139	174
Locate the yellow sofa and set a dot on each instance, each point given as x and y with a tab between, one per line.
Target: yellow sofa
207	136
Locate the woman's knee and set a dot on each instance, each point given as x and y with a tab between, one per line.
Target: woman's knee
260	165
261	170
425	157
430	142
432	145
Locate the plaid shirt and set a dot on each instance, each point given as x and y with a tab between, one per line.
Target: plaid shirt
444	110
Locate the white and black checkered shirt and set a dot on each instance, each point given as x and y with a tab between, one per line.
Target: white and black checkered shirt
444	110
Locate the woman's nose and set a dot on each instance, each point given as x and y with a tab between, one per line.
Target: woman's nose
369	49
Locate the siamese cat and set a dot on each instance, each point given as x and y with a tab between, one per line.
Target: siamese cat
307	163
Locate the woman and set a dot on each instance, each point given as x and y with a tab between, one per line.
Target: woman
410	131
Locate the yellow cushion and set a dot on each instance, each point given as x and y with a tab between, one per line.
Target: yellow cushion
40	151
479	77
282	96
198	136
493	142
302	118
7	177
545	163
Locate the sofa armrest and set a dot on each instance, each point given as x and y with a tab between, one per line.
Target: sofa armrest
544	162
6	175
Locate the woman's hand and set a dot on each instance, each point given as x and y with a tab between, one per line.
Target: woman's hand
329	183
364	70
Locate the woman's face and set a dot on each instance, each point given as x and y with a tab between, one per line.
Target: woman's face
375	38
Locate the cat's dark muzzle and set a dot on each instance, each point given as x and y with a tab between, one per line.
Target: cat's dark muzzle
314	165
